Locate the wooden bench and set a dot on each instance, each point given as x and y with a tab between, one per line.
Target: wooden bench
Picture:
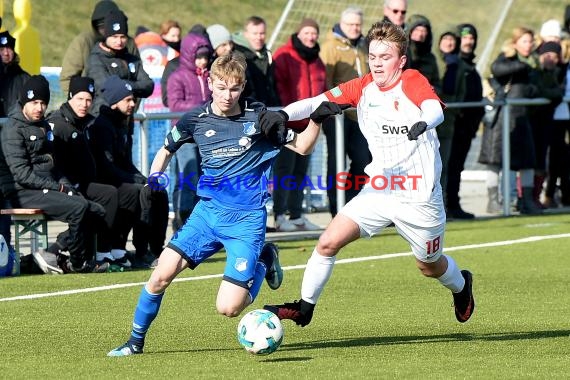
30	221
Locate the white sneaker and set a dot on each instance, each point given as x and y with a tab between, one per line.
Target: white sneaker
302	224
283	224
104	256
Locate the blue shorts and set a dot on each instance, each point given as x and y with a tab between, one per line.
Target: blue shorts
211	228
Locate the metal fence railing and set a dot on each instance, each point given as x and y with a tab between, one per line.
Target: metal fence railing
506	148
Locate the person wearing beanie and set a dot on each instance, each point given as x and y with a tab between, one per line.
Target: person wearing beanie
467	121
30	179
12	76
75	161
111	143
187	87
75	59
110	57
299	74
551	30
345	56
221	39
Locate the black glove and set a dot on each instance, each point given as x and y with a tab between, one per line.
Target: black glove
273	126
327	109
416	130
68	189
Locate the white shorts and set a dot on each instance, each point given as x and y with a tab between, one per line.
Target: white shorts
422	224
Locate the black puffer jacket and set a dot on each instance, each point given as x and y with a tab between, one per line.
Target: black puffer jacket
103	64
28	150
112	146
12	79
71	146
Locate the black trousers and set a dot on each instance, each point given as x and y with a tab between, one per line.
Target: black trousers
356	148
147	235
73	210
559	161
108	197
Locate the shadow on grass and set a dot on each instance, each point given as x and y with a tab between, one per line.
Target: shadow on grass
418	339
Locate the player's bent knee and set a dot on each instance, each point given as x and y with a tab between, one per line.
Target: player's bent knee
157	285
229	310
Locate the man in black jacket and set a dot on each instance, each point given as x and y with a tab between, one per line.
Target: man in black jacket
110	144
12	76
29	179
466	122
76	162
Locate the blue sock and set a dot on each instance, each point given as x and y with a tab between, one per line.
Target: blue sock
258	278
146	311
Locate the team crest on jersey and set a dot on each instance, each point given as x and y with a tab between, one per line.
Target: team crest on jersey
336	92
241	264
396	105
249	128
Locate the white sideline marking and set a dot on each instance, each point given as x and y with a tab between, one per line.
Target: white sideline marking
529	239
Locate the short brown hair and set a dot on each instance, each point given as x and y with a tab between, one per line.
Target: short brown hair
167	25
386	31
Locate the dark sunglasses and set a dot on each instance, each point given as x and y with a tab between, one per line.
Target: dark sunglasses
396	11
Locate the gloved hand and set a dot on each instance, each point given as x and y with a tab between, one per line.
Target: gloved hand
68	189
416	130
273	126
327	109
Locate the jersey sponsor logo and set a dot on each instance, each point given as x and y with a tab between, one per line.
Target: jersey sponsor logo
241	264
336	92
245	141
249	128
210	133
395	130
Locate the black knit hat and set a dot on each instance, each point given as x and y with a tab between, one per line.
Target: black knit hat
35	88
550	47
115	23
81	84
6	40
116	89
466	29
102	8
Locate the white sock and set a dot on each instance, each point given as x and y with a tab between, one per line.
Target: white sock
118	253
452	279
318	271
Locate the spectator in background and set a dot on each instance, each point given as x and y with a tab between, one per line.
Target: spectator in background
221	40
345	55
173	64
111	57
395	12
547	80
549	31
511	74
29	179
74	159
170	32
148	218
187	88
452	89
299	74
421	58
260	83
77	54
12	76
466	122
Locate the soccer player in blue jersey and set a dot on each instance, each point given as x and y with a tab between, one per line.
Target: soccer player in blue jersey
238	141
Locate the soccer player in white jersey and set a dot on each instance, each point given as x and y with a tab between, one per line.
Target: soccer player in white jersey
397	112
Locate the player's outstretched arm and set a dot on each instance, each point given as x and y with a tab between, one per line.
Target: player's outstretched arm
160	161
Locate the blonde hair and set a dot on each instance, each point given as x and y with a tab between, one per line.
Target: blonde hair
229	67
509	45
388	32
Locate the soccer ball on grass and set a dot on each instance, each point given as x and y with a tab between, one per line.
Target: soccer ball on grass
260	332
